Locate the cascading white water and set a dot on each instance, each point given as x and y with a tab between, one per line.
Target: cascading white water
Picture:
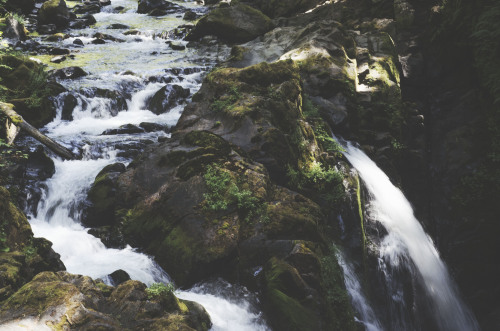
406	239
227	310
58	212
358	300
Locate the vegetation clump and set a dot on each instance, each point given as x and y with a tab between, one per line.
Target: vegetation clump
159	290
223	192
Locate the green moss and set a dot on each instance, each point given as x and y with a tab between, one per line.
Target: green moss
106	290
223	191
265	74
290	314
325	180
284	291
44	291
205	139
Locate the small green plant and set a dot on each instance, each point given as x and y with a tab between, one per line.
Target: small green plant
217	182
327	181
223	192
326	140
159	290
309	110
30	252
226	101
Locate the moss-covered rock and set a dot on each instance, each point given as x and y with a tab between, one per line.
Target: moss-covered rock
63	301
25	86
21	255
54	12
102	195
258	109
238	23
286	292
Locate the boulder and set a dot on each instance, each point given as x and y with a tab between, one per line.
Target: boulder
118	26
258	109
65	300
190	15
68	73
156	7
56	37
124	129
102	196
119	276
176	46
69	102
167	97
58	59
54	12
236	24
152	127
14	30
21	255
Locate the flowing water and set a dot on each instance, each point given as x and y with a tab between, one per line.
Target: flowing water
407	243
366	315
135	69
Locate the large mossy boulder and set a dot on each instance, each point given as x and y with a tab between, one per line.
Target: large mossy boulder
204	209
282	8
65	301
14	30
54	12
236	24
102	196
258	109
21	255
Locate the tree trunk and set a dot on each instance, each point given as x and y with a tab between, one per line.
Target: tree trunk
8	109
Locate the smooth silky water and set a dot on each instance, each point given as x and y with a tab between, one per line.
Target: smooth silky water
407	241
125	67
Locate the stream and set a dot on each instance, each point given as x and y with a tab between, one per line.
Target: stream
133	69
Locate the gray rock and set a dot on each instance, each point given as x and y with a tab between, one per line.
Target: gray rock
68	73
166	98
14	30
58	59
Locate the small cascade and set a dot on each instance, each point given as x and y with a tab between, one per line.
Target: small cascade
407	246
366	315
230	307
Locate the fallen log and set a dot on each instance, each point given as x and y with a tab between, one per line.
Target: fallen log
8	110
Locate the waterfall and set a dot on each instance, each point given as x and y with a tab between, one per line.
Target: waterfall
407	242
